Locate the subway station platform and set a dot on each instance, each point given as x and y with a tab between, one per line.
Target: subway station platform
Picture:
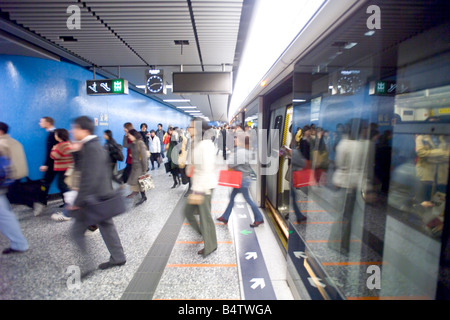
161	249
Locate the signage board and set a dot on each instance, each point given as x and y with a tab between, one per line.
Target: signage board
202	82
107	86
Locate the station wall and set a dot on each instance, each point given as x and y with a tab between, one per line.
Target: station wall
31	88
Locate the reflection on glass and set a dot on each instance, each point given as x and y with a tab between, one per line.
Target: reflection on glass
374	126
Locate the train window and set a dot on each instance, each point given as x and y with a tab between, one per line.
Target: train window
374	116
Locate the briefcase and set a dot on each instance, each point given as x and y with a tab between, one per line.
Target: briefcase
229	178
100	209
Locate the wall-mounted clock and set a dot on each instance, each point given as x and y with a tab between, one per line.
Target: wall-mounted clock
155	84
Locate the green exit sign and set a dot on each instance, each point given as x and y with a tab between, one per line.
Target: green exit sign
107	86
383	88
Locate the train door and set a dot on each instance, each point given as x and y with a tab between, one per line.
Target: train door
277	184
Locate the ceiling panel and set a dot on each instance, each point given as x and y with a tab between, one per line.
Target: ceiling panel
142	33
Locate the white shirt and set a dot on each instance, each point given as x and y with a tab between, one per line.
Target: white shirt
205	174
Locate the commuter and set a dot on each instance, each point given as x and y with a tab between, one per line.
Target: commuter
320	156
115	154
347	177
47	123
62	156
139	155
167	137
305	142
172	154
94	181
296	162
432	164
125	143
13	166
242	163
160	134
204	180
224	141
155	149
145	135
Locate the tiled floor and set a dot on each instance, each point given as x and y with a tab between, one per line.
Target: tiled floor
41	272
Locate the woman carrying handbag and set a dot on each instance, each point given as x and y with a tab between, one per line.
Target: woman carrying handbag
139	156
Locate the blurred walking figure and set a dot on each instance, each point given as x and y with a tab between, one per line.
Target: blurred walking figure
125	143
173	153
95	181
139	156
204	180
62	157
47	123
13	166
160	134
241	162
155	149
115	154
145	135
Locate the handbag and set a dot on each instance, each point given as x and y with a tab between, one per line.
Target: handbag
99	209
196	199
302	178
168	166
146	182
228	178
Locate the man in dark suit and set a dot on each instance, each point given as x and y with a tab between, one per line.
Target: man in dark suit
95	180
48	124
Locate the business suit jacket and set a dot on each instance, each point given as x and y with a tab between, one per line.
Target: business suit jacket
95	175
51	141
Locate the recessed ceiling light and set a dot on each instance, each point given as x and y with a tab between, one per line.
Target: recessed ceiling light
350	45
187	107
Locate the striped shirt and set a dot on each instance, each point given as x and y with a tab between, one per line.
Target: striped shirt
62	156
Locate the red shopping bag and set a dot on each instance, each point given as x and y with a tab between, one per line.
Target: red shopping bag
303	178
229	178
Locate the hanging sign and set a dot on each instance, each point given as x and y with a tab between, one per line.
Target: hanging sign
107	86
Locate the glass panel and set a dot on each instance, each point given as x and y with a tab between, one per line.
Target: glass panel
371	113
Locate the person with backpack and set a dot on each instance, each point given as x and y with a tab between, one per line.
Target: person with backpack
114	151
13	166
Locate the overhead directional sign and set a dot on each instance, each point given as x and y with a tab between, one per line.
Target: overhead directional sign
106	86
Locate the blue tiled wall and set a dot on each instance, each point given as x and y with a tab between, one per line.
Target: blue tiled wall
31	88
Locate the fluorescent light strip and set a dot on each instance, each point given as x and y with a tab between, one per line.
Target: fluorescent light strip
177	100
287	18
187	107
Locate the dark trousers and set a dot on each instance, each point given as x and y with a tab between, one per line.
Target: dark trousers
153	158
126	173
207	228
49	176
110	237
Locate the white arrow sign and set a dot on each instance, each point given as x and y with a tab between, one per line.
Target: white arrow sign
300	254
250	255
240	206
315	282
242	215
258	282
